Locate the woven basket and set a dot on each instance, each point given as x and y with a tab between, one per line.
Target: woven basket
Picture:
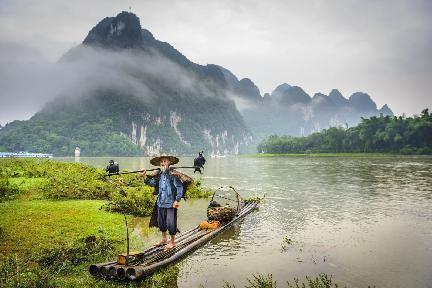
222	214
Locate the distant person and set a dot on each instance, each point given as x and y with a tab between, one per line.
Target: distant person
113	167
169	190
199	162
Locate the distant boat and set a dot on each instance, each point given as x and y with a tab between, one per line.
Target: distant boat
24	154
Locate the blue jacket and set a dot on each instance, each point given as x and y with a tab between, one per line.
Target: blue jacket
169	189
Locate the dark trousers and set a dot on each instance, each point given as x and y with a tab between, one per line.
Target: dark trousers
167	220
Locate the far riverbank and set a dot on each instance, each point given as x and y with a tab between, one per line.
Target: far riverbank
328	155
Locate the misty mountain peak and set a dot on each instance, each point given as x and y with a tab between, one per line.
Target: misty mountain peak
321	101
281	89
385	110
147	36
319	95
122	31
362	102
267	97
338	98
290	95
248	87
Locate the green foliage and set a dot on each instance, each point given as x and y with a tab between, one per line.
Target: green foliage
321	281
28	184
195	190
287	242
17	273
261	281
65	124
60	180
8	190
71	184
387	134
64	258
137	202
227	285
266	281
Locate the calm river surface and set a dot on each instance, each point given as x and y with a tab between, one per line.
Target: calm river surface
366	221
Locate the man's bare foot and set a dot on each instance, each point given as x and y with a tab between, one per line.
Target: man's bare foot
161	243
170	245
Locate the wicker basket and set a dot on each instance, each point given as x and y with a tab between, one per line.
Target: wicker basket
222	214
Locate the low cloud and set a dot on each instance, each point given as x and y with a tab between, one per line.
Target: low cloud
29	81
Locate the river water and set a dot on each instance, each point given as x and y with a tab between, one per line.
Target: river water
366	221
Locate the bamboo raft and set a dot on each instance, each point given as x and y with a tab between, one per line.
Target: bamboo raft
142	264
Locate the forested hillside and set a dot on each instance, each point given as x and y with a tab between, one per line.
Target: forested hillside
412	135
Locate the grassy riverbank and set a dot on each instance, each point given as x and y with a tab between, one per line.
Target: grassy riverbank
384	134
55	222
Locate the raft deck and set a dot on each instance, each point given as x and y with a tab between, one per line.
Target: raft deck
142	264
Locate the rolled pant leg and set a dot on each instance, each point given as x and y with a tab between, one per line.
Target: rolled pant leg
171	220
162	219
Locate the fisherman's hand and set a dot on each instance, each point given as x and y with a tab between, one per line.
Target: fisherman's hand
143	173
176	204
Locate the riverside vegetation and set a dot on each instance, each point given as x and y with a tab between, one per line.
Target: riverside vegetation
399	135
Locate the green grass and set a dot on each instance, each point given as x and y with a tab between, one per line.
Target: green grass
264	155
30	226
32	230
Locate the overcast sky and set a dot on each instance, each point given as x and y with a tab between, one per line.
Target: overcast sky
382	48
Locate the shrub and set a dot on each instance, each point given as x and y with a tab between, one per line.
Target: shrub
137	202
8	190
62	259
195	190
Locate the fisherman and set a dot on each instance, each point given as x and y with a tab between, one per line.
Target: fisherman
199	162
113	167
169	191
